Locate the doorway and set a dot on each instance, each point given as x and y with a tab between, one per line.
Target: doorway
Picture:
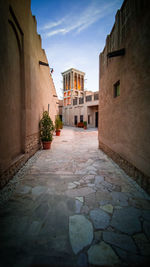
81	118
75	120
96	119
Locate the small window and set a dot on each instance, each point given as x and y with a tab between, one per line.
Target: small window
117	89
89	119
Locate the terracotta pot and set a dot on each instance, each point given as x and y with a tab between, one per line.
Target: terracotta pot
46	144
57	132
85	127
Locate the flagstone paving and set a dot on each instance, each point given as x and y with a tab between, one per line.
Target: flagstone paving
73	206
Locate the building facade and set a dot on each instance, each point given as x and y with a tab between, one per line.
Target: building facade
26	87
78	105
60	109
124	121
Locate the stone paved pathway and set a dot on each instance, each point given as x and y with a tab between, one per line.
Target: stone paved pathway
73	206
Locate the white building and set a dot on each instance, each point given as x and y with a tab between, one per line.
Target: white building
78	105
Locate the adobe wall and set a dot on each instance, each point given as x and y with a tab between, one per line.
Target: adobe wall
124	121
26	87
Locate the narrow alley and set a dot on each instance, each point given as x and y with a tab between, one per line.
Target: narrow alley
73	206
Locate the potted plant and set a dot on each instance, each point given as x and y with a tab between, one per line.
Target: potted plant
61	125
58	125
46	130
85	124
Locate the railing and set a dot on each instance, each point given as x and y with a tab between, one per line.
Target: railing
88	98
81	100
96	96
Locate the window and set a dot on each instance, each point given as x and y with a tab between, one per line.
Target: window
81	118
89	119
81	100
117	89
96	96
88	98
75	101
48	107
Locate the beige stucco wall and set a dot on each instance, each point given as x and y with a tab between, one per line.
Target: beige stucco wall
26	87
70	112
85	109
124	121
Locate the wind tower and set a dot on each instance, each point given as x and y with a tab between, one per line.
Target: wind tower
73	86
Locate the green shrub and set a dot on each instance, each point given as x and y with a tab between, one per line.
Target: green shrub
58	123
46	127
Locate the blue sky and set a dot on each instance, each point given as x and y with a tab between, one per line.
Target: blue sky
73	35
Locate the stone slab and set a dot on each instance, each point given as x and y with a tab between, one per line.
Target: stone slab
127	220
102	254
78	206
38	190
71	185
98	180
108	208
80	232
80	199
84	191
131	258
120	198
120	240
99	218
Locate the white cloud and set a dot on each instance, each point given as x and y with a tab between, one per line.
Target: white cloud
48	34
80	22
52	24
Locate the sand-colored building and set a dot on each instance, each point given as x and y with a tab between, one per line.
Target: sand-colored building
78	105
60	107
26	86
124	121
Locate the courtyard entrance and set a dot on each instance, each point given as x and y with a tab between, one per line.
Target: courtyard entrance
73	206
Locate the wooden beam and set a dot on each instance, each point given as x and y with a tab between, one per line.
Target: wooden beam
43	63
116	53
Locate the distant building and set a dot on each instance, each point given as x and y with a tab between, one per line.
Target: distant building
78	105
124	121
26	87
60	107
